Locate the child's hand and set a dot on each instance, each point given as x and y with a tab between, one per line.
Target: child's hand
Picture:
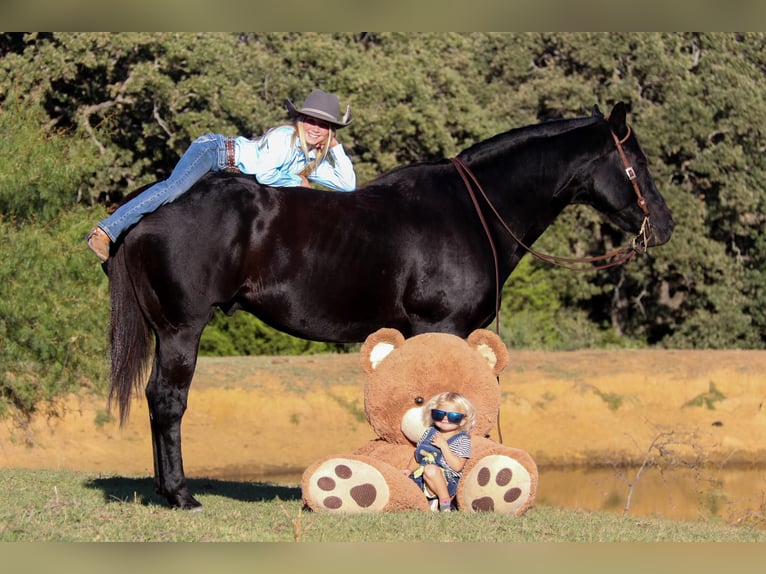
439	441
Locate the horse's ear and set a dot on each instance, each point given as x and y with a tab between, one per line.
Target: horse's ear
617	120
596	113
491	347
378	346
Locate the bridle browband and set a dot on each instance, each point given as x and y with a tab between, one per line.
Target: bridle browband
612	258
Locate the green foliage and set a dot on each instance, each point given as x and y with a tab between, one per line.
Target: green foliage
528	316
243	334
613	400
41	168
710	148
87	117
53	313
708	399
103	417
533	315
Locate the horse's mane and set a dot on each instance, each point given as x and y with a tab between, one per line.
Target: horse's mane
501	142
520	136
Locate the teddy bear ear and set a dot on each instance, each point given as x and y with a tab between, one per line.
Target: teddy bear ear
491	347
378	346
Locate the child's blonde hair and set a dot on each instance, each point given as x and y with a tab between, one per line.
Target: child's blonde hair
461	403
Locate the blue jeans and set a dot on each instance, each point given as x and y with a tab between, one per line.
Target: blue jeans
206	153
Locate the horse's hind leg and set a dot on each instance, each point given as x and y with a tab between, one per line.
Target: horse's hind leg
166	394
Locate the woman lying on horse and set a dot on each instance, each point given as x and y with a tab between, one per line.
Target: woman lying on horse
304	151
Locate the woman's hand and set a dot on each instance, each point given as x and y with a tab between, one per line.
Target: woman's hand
320	145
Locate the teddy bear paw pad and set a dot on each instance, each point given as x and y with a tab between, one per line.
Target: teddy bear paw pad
346	485
497	483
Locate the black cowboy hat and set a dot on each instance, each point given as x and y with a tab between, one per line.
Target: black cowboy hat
322	106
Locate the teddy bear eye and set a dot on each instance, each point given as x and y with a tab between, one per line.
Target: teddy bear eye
419	401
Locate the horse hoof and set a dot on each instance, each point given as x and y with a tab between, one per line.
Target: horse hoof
347	486
497	483
185	502
192	505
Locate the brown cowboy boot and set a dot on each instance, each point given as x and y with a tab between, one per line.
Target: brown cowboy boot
98	242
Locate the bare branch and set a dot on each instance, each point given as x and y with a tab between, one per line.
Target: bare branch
160	121
85	113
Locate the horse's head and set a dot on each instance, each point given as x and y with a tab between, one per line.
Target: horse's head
621	186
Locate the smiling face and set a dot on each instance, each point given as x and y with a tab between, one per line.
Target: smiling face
316	131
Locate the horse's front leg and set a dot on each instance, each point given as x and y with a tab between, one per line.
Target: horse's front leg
166	394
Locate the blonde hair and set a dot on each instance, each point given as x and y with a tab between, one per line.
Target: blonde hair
299	135
321	155
462	403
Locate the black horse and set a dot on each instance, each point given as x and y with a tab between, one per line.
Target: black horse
407	250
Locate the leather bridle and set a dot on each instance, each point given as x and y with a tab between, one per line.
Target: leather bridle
617	256
612	258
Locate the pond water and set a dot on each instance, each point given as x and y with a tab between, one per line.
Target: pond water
677	493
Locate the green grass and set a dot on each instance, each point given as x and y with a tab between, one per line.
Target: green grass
63	506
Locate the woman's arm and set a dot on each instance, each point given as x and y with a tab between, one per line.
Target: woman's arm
336	171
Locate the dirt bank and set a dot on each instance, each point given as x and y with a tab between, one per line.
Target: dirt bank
269	417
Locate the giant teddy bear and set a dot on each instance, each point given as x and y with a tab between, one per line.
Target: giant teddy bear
401	376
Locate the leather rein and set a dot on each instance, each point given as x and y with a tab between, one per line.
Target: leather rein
612	258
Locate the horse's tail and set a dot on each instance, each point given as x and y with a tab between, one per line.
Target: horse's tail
131	337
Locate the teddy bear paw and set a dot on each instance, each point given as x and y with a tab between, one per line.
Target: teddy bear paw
347	485
497	483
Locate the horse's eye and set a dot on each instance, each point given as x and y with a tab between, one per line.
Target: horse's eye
419	401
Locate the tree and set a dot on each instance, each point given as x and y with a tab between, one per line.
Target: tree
119	109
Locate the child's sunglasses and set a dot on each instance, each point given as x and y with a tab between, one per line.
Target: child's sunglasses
454	418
